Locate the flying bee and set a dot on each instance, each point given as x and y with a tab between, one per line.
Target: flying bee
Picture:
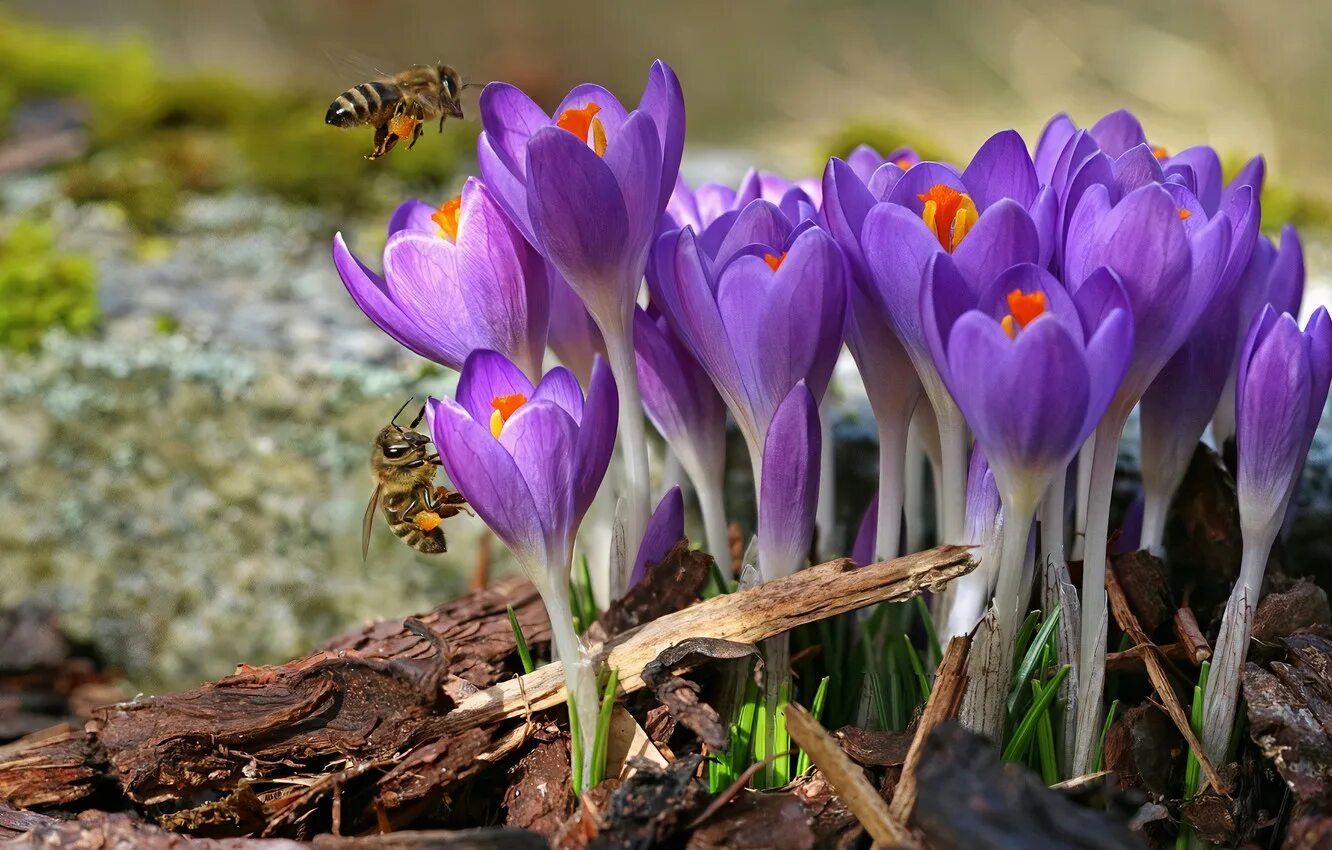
400	105
404	471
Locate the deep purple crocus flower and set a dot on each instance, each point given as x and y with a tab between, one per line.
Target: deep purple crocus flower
1284	375
1033	369
573	336
587	187
664	530
790	487
456	279
766	312
712	208
529	459
689	414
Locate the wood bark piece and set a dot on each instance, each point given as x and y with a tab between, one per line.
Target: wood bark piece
51	768
1160	680
748	616
1191	637
950	682
848	778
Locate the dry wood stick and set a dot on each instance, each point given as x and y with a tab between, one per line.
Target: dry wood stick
1191	637
848	778
945	697
745	617
1160	681
1131	659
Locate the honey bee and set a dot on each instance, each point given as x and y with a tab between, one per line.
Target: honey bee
399	106
404	471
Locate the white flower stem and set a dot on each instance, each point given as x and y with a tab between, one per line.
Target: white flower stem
825	510
1018	513
1091	646
712	506
1165	460
892	484
953	445
579	674
1052	522
1080	495
633	434
1221	702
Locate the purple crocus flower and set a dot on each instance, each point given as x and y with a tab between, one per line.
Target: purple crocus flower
529	459
1284	376
715	207
573	336
586	187
984	527
689	414
1033	369
862	548
790	486
664	530
456	279
989	217
766	312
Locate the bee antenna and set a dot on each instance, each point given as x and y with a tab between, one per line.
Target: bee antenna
394	420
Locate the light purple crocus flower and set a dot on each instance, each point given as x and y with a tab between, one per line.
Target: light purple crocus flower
766	312
713	202
529	459
1284	376
587	187
689	414
573	336
1033	369
456	279
664	530
789	492
991	216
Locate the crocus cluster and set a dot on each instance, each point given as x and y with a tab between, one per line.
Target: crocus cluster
1032	297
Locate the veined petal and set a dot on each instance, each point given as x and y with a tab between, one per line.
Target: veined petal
1002	168
412	214
1285	280
509	118
846	202
1003	236
1054	137
1118	132
790	486
507	185
760	222
1137	167
1206	167
596	437
663	100
541	437
486	376
560	386
634	157
421	273
919	179
897	246
664	529
611	114
370	293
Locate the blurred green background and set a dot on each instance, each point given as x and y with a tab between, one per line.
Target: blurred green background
187	394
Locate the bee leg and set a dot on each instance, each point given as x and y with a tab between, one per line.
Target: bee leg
441	122
417	132
384	141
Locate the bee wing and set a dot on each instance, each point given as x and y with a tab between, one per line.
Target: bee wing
368	521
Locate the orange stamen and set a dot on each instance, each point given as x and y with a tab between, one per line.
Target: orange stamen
949	213
774	260
902	163
1160	152
505	406
447	218
1023	308
583	123
427	520
1183	214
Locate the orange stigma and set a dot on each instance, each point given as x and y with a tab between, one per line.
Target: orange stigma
584	124
1023	308
902	163
505	406
1160	152
1183	213
447	218
949	213
402	126
774	260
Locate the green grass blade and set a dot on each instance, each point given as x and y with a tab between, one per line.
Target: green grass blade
602	738
576	746
816	710
935	649
1025	631
781	767
1045	743
914	657
524	655
1105	730
1030	659
1022	735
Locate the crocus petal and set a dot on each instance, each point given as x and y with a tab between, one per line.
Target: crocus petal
1206	167
862	548
760	223
634	157
846	203
611	114
1137	167
370	293
677	394
578	213
487	375
1044	213
1118	132
510	118
663	100
863	161
412	214
919	179
664	529
489	479
1002	168
1053	139
540	437
1285	281
897	245
790	487
1003	236
560	386
506	184
596	437
421	272
1252	173
1028	278
945	295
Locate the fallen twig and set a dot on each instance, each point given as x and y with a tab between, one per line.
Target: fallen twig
745	617
945	698
1160	681
1191	637
848	778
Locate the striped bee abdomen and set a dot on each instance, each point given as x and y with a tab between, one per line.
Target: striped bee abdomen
362	104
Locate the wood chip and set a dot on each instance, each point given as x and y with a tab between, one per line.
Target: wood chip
848	778
1191	637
